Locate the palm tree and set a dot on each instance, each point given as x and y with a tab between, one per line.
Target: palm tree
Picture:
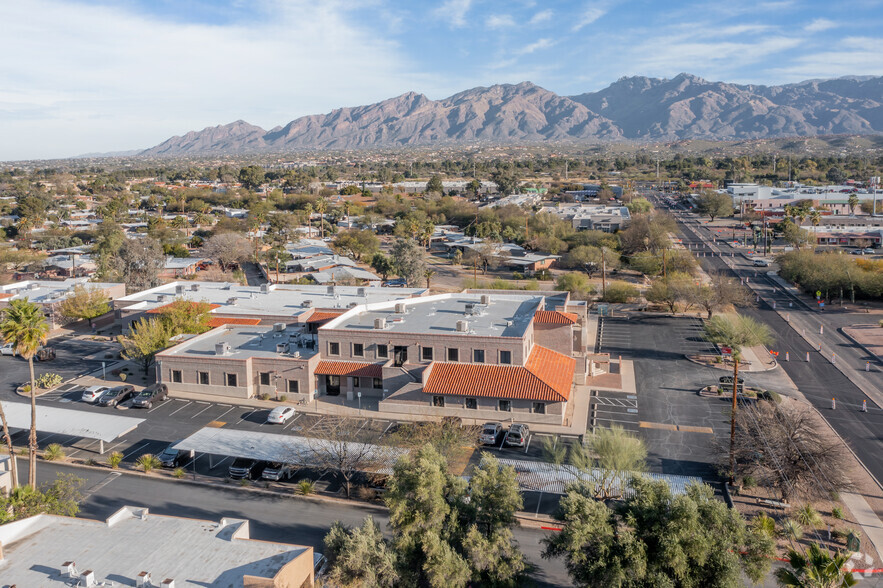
815	217
816	569
428	275
736	332
852	202
308	212
321	207
26	328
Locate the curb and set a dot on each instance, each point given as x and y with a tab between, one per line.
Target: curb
876	357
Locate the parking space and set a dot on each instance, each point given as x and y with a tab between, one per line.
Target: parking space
68	363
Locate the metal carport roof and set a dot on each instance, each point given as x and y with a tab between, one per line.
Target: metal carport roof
76	423
289	449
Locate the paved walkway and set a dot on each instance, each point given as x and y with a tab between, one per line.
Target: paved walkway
866	518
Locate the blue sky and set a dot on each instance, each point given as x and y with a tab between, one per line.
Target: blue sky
88	75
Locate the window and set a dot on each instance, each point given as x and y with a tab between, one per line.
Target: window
505	357
438	401
265	378
426	353
539	408
176	376
377	383
505	405
453	354
358	350
478	355
232	380
471	403
203	378
382	351
293	387
333	348
355	382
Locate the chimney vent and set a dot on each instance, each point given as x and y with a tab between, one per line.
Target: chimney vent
168	583
462	326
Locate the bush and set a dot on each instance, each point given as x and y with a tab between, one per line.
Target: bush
264	396
808	516
123	376
770	396
283	398
792	529
749	482
53	452
114	459
517	276
305	487
244	482
179	473
48	380
148	462
366	493
763	523
620	292
837	513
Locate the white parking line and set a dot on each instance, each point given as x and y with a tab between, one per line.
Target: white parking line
44	439
362	427
316	423
159	406
246	416
201	411
181	408
291	422
202	402
142	446
388	427
225	412
220	462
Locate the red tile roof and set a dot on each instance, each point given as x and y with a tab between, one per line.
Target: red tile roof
555	317
320	316
159	309
349	368
218	321
547	376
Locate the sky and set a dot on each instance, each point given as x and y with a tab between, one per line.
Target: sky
82	76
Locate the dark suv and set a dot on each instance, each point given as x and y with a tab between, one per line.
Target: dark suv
116	395
173	458
151	394
244	468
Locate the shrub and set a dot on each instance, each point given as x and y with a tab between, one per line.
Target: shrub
148	462
808	516
283	398
771	396
749	482
365	493
264	396
837	513
244	482
792	529
620	292
48	380
179	473
53	452
123	376
517	276
306	487
114	459
763	523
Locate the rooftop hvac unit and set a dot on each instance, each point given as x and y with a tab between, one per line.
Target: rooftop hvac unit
307	303
179	289
87	579
353	304
462	326
69	569
508	323
227	285
168	583
143	580
470	309
231	301
401	308
281	347
330	289
222	348
278	326
194	287
380	323
295	354
485	299
361	292
265	288
33	286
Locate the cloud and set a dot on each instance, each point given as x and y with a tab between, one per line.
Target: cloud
454	12
819	25
541	17
536	46
500	21
853	56
103	77
590	14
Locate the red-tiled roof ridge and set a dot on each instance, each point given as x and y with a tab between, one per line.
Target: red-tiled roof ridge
324	315
349	368
555	317
218	321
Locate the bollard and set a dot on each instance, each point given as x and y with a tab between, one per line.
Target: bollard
867	366
787	317
807	356
790	305
820	347
756	297
774	305
821	329
787	356
833	404
833	358
864	406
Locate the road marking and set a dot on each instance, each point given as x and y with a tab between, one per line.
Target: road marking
386	430
202	402
201	411
181	408
142	446
291	422
220	462
225	412
316	424
216	424
680	428
223	405
362	427
246	416
158	406
110	478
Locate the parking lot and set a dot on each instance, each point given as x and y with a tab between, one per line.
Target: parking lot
68	362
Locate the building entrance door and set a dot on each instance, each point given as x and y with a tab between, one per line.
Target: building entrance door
400	355
332	385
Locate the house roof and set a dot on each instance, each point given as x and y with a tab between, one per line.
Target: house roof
349	368
547	376
555	317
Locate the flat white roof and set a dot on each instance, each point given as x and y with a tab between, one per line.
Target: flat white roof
63	421
290	449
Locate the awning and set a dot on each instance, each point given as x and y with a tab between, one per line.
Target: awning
349	368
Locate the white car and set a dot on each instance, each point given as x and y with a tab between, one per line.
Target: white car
8	349
93	393
280	414
758	262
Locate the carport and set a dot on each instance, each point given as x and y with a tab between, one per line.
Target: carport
73	423
290	449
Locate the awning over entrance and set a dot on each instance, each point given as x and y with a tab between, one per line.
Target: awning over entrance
349	368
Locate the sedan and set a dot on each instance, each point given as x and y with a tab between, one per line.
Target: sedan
116	396
149	395
173	458
280	414
93	393
868	251
489	433
857	252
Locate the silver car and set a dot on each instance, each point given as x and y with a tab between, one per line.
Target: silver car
489	433
93	393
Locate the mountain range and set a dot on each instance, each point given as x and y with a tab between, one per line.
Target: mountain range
631	109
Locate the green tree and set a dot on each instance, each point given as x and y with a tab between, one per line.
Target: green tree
382	264
474	187
714	204
360	556
227	249
62	497
577	283
251	176
409	260
639	205
24	326
612	457
85	303
736	332
357	243
434	185
139	262
506	179
145	339
186	316
672	290
653	538
852	202
816	569
794	235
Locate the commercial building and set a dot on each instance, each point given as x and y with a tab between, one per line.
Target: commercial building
596	217
134	547
50	294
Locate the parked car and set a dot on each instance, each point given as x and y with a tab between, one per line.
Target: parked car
857	252
868	251
93	393
489	433
173	458
397	283
277	471
245	468
758	262
151	394
320	563
8	349
116	395
280	414
518	435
